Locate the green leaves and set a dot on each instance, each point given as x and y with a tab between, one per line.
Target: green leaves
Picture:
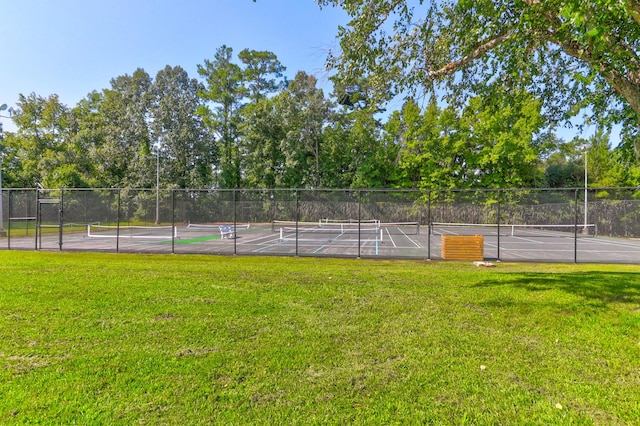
456	48
489	144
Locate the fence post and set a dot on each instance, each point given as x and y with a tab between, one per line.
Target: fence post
61	219
499	221
429	224
359	220
297	193
575	227
9	221
173	221
235	220
37	227
118	222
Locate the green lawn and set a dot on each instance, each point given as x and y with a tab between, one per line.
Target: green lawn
164	339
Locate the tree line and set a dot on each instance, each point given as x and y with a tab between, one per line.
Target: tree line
243	124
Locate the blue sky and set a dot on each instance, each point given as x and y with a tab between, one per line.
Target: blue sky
72	47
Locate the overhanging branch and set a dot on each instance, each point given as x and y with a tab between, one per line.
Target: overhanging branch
633	6
476	53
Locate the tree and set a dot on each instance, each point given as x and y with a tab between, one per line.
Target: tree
606	167
575	55
305	112
263	132
224	88
413	134
489	144
187	149
501	131
262	73
355	154
125	118
41	152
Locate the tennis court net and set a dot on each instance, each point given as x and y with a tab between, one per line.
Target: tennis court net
132	231
217	226
513	230
349	226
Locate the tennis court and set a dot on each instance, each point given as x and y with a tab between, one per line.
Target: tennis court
342	239
520	225
277	238
556	243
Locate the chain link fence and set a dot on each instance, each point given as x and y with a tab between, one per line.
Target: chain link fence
557	225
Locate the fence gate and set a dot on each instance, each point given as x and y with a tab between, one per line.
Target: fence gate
49	221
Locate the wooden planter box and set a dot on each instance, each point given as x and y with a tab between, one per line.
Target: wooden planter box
463	247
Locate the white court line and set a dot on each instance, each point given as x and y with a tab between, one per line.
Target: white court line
525	239
495	246
391	238
267	246
318	249
610	242
408	238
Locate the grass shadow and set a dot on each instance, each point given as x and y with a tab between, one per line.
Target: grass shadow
606	287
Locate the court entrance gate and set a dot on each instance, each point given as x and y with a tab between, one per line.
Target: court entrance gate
49	222
35	222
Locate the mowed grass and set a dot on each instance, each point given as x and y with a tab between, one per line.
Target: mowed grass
159	339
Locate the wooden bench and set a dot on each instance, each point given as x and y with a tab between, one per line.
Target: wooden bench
462	247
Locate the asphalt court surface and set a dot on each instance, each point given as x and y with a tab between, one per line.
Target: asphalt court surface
385	243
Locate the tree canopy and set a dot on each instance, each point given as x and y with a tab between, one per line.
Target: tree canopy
244	124
576	56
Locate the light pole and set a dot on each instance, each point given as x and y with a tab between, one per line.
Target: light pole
2	231
585	229
3	107
158	186
158	145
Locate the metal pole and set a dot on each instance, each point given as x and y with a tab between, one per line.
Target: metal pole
2	232
118	223
585	230
359	220
173	221
575	228
9	222
158	186
499	220
297	218
38	220
429	224
235	221
60	219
